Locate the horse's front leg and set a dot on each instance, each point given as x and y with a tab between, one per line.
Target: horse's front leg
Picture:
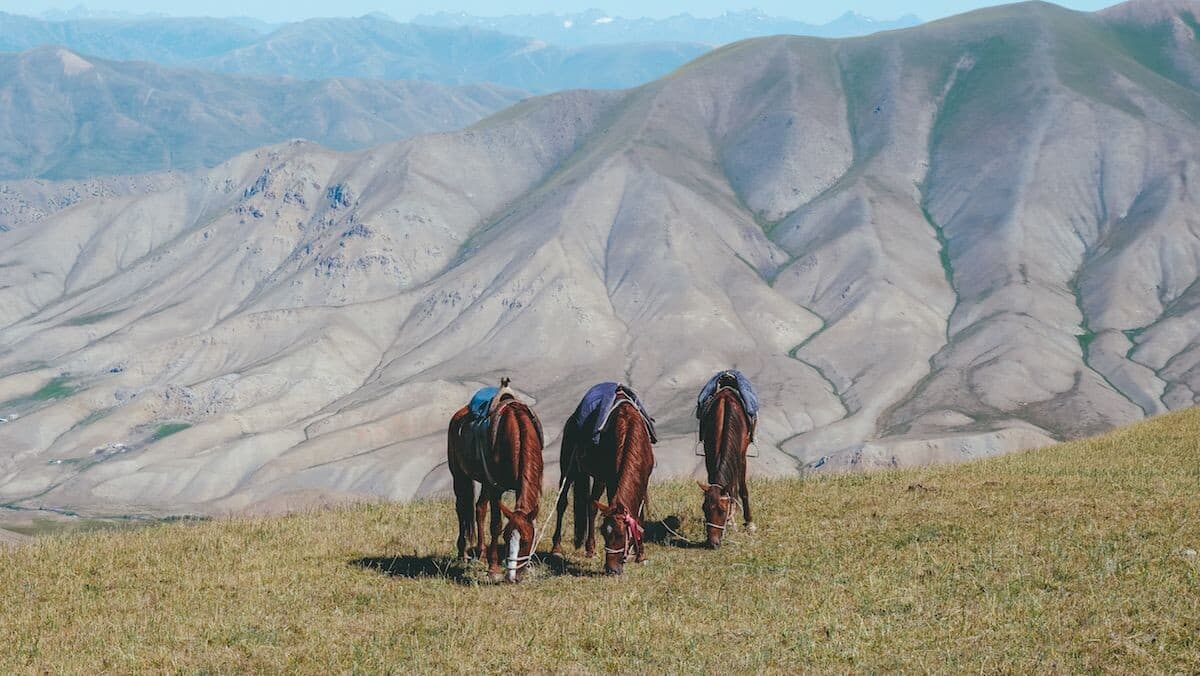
744	491
495	565
640	546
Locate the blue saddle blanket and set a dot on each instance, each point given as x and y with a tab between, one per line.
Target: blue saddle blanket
744	388
591	416
481	402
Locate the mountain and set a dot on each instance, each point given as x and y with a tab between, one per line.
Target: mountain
375	47
164	40
940	243
371	46
595	26
69	116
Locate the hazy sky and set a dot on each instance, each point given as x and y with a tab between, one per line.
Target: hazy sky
274	10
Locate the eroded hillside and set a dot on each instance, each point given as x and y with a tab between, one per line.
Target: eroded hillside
946	242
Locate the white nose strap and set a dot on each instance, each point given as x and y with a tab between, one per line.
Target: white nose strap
514	562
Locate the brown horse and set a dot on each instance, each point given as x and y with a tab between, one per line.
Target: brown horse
514	463
725	431
621	464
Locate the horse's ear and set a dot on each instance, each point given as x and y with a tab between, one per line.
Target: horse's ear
703	486
504	382
600	507
620	509
508	513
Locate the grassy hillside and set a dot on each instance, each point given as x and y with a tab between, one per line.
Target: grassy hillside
1078	557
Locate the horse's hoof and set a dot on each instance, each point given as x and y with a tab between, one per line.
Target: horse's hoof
589	555
751	527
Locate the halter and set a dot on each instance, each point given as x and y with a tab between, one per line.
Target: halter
728	514
633	538
514	563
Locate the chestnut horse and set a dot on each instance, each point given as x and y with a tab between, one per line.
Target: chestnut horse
621	464
725	431
514	463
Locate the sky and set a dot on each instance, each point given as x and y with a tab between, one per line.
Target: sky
273	10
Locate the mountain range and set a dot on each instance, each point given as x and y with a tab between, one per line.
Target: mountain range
370	46
945	242
596	26
70	116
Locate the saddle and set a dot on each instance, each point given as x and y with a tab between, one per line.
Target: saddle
736	383
481	427
591	416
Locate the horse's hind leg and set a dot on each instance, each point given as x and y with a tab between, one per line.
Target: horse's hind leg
561	509
597	490
464	495
481	508
581	507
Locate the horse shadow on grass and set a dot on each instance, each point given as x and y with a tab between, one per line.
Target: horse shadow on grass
666	533
451	569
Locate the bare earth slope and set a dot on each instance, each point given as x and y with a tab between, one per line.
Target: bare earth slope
69	116
942	243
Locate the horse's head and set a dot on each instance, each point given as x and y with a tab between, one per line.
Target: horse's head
518	543
621	531
716	508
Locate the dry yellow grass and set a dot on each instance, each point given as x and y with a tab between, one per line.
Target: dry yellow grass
1079	557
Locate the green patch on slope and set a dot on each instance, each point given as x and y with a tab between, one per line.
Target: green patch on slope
1090	55
57	388
167	430
91	319
987	87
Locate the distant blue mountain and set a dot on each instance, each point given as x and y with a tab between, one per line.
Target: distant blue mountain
371	46
595	26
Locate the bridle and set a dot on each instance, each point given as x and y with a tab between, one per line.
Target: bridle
733	502
514	562
633	537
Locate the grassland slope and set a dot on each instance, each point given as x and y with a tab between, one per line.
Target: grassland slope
1071	558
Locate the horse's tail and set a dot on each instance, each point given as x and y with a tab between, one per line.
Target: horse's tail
732	436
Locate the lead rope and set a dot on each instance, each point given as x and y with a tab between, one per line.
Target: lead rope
516	563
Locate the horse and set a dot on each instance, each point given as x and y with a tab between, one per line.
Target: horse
725	429
510	459
619	464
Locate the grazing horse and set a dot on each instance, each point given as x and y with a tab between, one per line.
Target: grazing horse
725	429
618	458
506	455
